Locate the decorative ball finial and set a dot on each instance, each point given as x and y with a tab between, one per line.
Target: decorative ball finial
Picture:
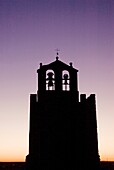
70	64
40	65
57	53
57	58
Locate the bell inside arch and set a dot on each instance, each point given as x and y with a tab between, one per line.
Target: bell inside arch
50	79
65	79
50	83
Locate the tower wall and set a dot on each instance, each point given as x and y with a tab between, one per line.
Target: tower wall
63	130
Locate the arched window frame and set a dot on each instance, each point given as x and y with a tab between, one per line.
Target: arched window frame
48	87
65	80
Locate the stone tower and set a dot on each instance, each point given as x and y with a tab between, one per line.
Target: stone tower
63	126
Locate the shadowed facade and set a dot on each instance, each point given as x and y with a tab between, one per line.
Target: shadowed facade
63	126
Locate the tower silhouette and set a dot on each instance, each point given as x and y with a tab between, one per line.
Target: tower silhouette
63	127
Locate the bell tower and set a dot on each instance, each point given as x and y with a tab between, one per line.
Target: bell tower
63	128
57	78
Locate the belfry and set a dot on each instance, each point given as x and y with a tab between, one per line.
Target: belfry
63	124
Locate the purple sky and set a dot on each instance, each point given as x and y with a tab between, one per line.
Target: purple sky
30	31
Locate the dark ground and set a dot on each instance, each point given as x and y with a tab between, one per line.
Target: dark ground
12	165
107	165
21	165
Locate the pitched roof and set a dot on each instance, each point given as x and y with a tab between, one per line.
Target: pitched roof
59	64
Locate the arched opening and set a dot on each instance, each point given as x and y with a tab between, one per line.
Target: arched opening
50	80
65	80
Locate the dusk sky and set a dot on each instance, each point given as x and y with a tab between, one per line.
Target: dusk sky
30	31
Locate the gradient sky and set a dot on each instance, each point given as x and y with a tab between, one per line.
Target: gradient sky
30	31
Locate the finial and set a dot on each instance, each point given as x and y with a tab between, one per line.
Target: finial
40	65
57	58
70	64
57	50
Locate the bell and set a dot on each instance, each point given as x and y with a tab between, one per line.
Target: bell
50	76
50	79
50	83
65	79
65	82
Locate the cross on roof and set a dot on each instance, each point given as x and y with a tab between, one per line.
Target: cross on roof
57	50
